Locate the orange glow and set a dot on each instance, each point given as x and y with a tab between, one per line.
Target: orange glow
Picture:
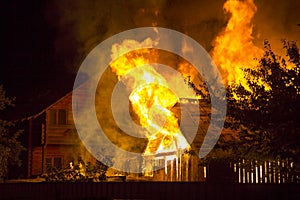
150	97
233	47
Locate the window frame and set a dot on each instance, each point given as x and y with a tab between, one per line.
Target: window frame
51	165
58	117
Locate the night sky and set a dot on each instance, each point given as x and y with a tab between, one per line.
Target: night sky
46	41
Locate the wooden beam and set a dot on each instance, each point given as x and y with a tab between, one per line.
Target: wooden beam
29	149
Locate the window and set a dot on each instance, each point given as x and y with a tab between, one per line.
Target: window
58	117
57	163
52	117
62	116
53	162
48	164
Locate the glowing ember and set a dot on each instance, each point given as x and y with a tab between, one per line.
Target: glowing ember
71	165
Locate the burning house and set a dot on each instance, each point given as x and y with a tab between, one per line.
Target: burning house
168	151
180	164
54	143
53	140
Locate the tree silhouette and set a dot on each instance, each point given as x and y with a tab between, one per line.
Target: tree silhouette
10	146
265	119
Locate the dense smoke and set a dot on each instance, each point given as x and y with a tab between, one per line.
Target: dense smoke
81	25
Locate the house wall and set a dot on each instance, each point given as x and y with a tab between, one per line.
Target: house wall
58	142
57	132
62	141
37	158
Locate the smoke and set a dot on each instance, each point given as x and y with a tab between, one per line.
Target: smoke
276	21
80	25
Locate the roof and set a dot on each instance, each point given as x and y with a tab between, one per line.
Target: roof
47	108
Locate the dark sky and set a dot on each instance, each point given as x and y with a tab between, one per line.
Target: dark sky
30	71
46	41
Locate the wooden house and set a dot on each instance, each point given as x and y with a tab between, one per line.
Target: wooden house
54	142
53	139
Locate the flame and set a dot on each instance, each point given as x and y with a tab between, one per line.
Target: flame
150	96
233	47
82	169
130	61
71	165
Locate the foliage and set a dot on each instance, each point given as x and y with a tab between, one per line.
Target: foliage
10	146
80	172
265	115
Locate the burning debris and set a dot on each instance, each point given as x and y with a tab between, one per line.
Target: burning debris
80	172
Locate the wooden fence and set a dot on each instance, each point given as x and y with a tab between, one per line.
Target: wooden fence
148	190
253	171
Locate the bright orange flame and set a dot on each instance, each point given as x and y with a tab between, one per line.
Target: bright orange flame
150	97
233	47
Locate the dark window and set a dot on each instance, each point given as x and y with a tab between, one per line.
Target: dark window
53	162
62	117
52	117
58	163
48	164
58	116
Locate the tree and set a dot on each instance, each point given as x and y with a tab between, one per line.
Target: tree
265	116
10	146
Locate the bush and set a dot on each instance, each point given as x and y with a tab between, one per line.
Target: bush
78	173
